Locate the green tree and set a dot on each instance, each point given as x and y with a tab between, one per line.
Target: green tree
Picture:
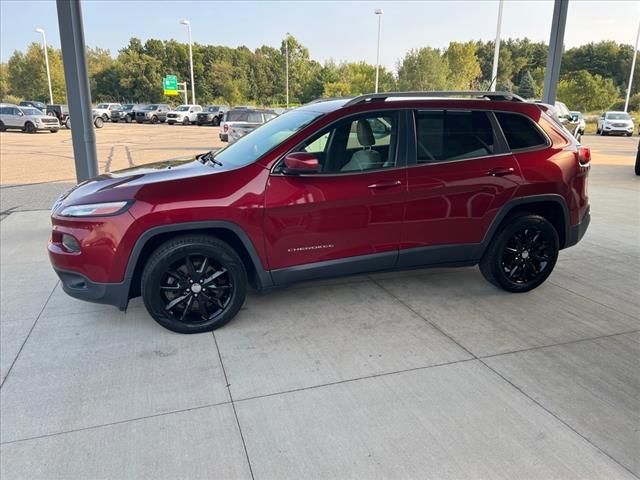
527	87
423	69
586	92
27	74
464	68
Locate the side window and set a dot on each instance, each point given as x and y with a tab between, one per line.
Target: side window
520	131
448	135
356	144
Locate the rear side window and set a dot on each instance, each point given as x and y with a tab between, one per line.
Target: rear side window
520	131
452	135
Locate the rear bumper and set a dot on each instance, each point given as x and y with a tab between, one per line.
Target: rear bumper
576	232
78	286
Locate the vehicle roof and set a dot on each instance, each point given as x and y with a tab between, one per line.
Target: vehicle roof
331	105
615	111
7	105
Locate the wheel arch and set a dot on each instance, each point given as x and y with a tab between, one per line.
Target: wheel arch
228	232
552	207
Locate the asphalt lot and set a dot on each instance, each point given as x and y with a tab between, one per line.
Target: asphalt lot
421	374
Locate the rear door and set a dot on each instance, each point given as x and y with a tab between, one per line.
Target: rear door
463	174
340	213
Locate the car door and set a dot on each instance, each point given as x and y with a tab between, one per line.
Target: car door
463	174
342	220
16	117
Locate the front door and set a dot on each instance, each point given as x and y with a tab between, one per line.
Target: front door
463	175
347	217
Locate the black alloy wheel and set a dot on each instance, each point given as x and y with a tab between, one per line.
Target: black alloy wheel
29	127
154	119
522	255
194	284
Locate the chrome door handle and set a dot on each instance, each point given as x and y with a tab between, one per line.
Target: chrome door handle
385	184
501	171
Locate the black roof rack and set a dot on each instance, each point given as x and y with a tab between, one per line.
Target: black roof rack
370	97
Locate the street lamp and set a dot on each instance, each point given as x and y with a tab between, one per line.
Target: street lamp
496	50
379	13
46	61
286	63
633	67
193	84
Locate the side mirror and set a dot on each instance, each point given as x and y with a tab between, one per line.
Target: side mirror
301	163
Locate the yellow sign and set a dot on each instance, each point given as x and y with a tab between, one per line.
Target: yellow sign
171	92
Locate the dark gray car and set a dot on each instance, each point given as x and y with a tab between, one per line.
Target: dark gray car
126	113
154	113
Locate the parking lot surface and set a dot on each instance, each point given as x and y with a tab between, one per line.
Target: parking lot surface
420	374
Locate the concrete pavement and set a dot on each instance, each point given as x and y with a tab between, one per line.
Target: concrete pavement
421	374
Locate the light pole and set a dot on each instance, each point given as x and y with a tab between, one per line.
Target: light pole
46	61
379	13
633	67
496	50
193	84
286	63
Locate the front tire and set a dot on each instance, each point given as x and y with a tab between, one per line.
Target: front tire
54	130
186	121
522	254
2	127
194	284
29	127
154	119
98	122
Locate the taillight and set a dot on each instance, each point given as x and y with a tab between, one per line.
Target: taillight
226	127
584	155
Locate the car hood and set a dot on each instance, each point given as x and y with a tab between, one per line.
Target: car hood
124	183
179	112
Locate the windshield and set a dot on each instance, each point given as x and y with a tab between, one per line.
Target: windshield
31	111
213	109
252	146
182	108
103	105
152	107
618	116
237	116
127	106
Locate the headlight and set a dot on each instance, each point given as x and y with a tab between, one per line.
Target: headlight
95	209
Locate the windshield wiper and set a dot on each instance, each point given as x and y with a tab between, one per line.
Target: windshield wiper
209	158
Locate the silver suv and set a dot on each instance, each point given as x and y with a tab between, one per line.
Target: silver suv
27	119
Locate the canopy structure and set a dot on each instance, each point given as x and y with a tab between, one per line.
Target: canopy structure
79	93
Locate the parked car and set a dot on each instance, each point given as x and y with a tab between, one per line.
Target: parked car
154	113
212	115
34	103
615	122
185	114
105	109
27	119
98	121
256	118
61	112
126	113
577	124
242	115
378	182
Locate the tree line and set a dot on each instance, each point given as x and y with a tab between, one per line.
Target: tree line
593	76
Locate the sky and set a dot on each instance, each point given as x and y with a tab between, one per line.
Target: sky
338	30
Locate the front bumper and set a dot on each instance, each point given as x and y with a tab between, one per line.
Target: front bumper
47	126
80	287
576	232
626	129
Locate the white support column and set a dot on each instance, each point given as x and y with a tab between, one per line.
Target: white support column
76	78
554	57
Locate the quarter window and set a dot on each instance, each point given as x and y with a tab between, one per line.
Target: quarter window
520	132
452	135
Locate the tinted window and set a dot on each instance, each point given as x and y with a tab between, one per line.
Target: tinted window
519	131
452	135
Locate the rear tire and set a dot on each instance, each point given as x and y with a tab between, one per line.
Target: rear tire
54	130
522	254
194	284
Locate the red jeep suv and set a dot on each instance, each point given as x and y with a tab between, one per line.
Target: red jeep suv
336	187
